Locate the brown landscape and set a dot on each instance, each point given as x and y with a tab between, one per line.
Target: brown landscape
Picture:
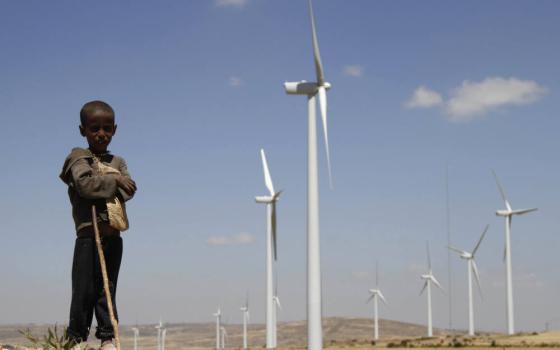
339	333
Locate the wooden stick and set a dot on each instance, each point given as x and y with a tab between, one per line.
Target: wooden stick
104	274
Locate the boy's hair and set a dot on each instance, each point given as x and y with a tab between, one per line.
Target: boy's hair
92	106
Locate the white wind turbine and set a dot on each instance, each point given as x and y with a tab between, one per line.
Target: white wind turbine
223	337
159	328
375	295
429	278
271	249
245	310
218	316
136	332
508	214
277	307
311	90
471	268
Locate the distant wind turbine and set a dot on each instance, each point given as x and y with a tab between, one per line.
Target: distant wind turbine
471	268
159	328
311	90
376	294
218	316
136	332
271	249
223	337
277	307
245	310
508	213
429	278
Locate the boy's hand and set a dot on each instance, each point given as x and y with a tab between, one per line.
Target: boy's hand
127	184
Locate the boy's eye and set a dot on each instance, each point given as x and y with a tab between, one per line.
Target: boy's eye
108	128
94	128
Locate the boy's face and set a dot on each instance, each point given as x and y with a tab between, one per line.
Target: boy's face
99	129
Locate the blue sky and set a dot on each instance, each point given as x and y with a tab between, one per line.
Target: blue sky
197	88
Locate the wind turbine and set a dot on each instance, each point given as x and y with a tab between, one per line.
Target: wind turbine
508	214
136	332
429	278
271	249
159	328
376	294
218	316
471	268
223	337
245	310
277	307
311	90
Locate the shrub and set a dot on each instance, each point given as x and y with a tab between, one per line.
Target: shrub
50	341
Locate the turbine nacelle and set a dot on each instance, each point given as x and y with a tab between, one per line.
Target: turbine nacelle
268	199
304	87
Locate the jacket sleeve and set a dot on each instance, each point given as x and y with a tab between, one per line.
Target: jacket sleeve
89	185
123	168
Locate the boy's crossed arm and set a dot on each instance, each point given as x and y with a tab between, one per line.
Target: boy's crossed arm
93	186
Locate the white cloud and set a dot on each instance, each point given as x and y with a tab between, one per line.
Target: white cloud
231	3
424	98
356	71
238	239
235	81
475	99
472	99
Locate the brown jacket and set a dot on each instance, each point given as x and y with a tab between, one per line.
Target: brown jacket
86	187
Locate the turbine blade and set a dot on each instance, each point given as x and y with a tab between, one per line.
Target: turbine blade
322	92
376	275
370	297
316	53
273	222
267	178
480	240
429	259
382	298
502	192
436	283
523	211
277	301
477	277
424	287
505	253
455	249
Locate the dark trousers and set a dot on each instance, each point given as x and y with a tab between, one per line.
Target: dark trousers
88	295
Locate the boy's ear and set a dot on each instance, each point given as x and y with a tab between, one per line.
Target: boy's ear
114	129
82	130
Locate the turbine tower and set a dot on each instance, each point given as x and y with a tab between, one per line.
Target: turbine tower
311	90
136	332
218	316
271	250
163	333
471	268
429	278
245	310
375	295
508	213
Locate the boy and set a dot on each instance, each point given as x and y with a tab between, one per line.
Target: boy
96	177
